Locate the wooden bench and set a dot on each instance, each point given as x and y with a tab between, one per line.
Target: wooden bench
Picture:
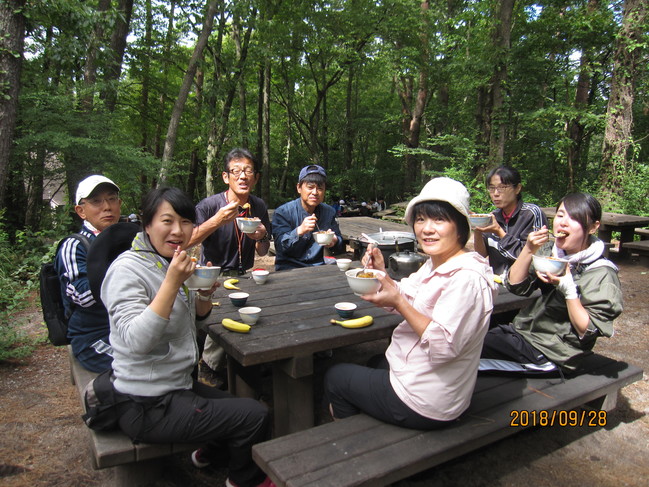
133	464
361	451
643	232
641	248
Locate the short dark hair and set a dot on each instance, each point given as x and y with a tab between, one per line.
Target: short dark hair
583	208
179	201
318	179
446	212
239	153
508	175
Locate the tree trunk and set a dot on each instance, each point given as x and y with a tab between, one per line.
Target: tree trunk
349	125
90	68
619	113
116	57
265	130
502	43
12	42
166	61
413	107
179	105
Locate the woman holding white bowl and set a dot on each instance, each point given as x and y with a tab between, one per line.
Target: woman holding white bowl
560	327
427	376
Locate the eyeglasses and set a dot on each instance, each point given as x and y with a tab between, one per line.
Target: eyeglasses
98	202
236	172
500	188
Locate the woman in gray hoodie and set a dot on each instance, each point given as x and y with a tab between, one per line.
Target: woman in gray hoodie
153	324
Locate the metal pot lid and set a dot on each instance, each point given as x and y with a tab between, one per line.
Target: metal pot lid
390	238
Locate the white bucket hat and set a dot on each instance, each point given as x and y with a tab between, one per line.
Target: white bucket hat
442	189
88	185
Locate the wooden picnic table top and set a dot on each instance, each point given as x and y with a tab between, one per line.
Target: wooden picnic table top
352	228
296	308
611	219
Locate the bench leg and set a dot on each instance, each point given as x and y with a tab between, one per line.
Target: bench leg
604	403
138	474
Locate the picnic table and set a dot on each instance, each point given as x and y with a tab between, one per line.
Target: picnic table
294	325
625	224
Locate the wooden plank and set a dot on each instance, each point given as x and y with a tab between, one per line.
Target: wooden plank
643	232
362	451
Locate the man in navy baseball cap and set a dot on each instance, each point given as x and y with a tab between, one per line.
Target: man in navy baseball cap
295	222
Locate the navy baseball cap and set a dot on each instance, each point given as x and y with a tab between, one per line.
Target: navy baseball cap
312	169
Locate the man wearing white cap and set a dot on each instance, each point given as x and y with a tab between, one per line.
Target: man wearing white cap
98	204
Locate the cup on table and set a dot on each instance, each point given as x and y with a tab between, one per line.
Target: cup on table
343	264
238	299
345	310
249	314
260	276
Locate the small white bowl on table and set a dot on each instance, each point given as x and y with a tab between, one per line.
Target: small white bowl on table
363	285
248	225
260	276
343	264
203	277
549	265
249	314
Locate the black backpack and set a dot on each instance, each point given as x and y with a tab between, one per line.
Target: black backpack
54	313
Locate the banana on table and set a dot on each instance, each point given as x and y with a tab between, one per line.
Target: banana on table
355	323
231	284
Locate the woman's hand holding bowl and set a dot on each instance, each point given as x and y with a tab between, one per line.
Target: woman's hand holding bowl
181	267
388	296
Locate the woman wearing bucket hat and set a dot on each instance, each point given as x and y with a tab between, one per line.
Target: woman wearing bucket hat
428	373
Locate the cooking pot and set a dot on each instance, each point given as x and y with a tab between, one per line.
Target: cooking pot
390	242
402	264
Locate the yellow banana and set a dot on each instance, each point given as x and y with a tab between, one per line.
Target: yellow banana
235	326
355	323
230	284
246	206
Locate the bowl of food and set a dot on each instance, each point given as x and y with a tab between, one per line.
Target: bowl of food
323	237
260	276
248	225
238	299
343	264
549	265
364	281
345	310
249	314
203	277
480	219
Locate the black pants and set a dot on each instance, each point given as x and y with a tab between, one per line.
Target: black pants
351	388
227	424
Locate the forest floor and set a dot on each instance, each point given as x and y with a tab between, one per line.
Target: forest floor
43	441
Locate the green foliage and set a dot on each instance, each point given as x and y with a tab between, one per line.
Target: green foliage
636	191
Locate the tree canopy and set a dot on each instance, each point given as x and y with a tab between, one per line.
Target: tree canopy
384	94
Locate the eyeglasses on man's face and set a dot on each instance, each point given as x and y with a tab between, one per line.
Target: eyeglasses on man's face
236	172
98	202
500	188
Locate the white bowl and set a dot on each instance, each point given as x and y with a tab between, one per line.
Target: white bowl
480	219
323	238
549	265
260	276
249	314
363	285
248	225
203	277
343	264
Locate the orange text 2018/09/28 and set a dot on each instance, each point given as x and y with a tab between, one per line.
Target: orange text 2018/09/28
523	418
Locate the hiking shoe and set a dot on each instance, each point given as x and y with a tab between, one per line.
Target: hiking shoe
199	460
266	483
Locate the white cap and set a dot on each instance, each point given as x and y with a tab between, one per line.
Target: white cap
342	202
363	204
88	185
442	189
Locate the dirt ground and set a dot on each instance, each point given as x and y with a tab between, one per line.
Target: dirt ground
43	441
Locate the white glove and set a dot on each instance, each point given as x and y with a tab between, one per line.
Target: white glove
567	286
